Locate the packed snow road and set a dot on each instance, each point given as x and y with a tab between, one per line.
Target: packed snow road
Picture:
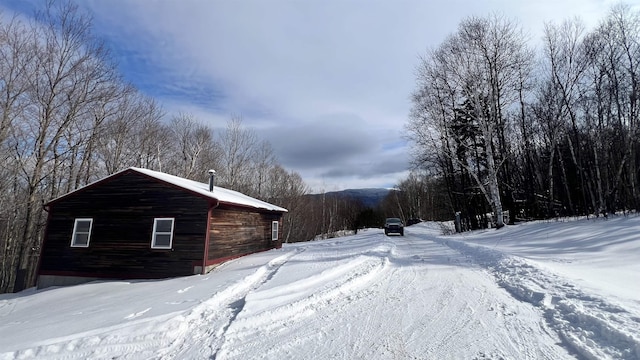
360	297
376	297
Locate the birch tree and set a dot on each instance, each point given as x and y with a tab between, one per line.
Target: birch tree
481	66
566	65
618	54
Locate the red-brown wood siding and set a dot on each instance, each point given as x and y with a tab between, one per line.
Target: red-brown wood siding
235	232
123	209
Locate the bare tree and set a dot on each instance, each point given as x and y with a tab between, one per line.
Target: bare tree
287	189
127	139
237	146
58	75
263	161
15	54
476	72
618	54
566	66
193	145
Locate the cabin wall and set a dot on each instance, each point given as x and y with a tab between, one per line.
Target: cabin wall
235	232
123	210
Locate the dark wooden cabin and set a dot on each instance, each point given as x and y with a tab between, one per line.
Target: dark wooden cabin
144	224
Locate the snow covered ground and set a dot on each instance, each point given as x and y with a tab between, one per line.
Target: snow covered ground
543	290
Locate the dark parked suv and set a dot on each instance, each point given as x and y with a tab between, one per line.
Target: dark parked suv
393	225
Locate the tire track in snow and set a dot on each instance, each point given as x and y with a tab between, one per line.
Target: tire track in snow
342	284
478	308
417	306
589	325
450	285
195	334
205	326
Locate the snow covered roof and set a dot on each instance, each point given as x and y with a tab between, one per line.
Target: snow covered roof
220	194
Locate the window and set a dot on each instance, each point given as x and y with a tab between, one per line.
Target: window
274	230
162	233
81	233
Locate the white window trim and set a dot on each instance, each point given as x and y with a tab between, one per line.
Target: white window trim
75	232
274	231
153	236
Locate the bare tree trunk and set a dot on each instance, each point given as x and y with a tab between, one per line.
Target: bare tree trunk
551	182
565	182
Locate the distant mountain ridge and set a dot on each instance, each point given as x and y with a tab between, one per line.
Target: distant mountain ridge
370	197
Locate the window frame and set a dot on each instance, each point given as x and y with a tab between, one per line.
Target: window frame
75	233
275	230
154	245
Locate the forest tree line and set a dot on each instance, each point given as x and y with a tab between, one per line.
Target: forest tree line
519	132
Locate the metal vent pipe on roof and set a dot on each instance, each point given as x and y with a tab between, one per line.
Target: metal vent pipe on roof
212	175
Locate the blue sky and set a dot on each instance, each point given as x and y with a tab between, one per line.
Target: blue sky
326	82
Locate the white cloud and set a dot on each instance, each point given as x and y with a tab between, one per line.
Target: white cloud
328	83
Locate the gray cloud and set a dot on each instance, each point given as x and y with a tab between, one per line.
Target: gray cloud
325	140
340	146
326	82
